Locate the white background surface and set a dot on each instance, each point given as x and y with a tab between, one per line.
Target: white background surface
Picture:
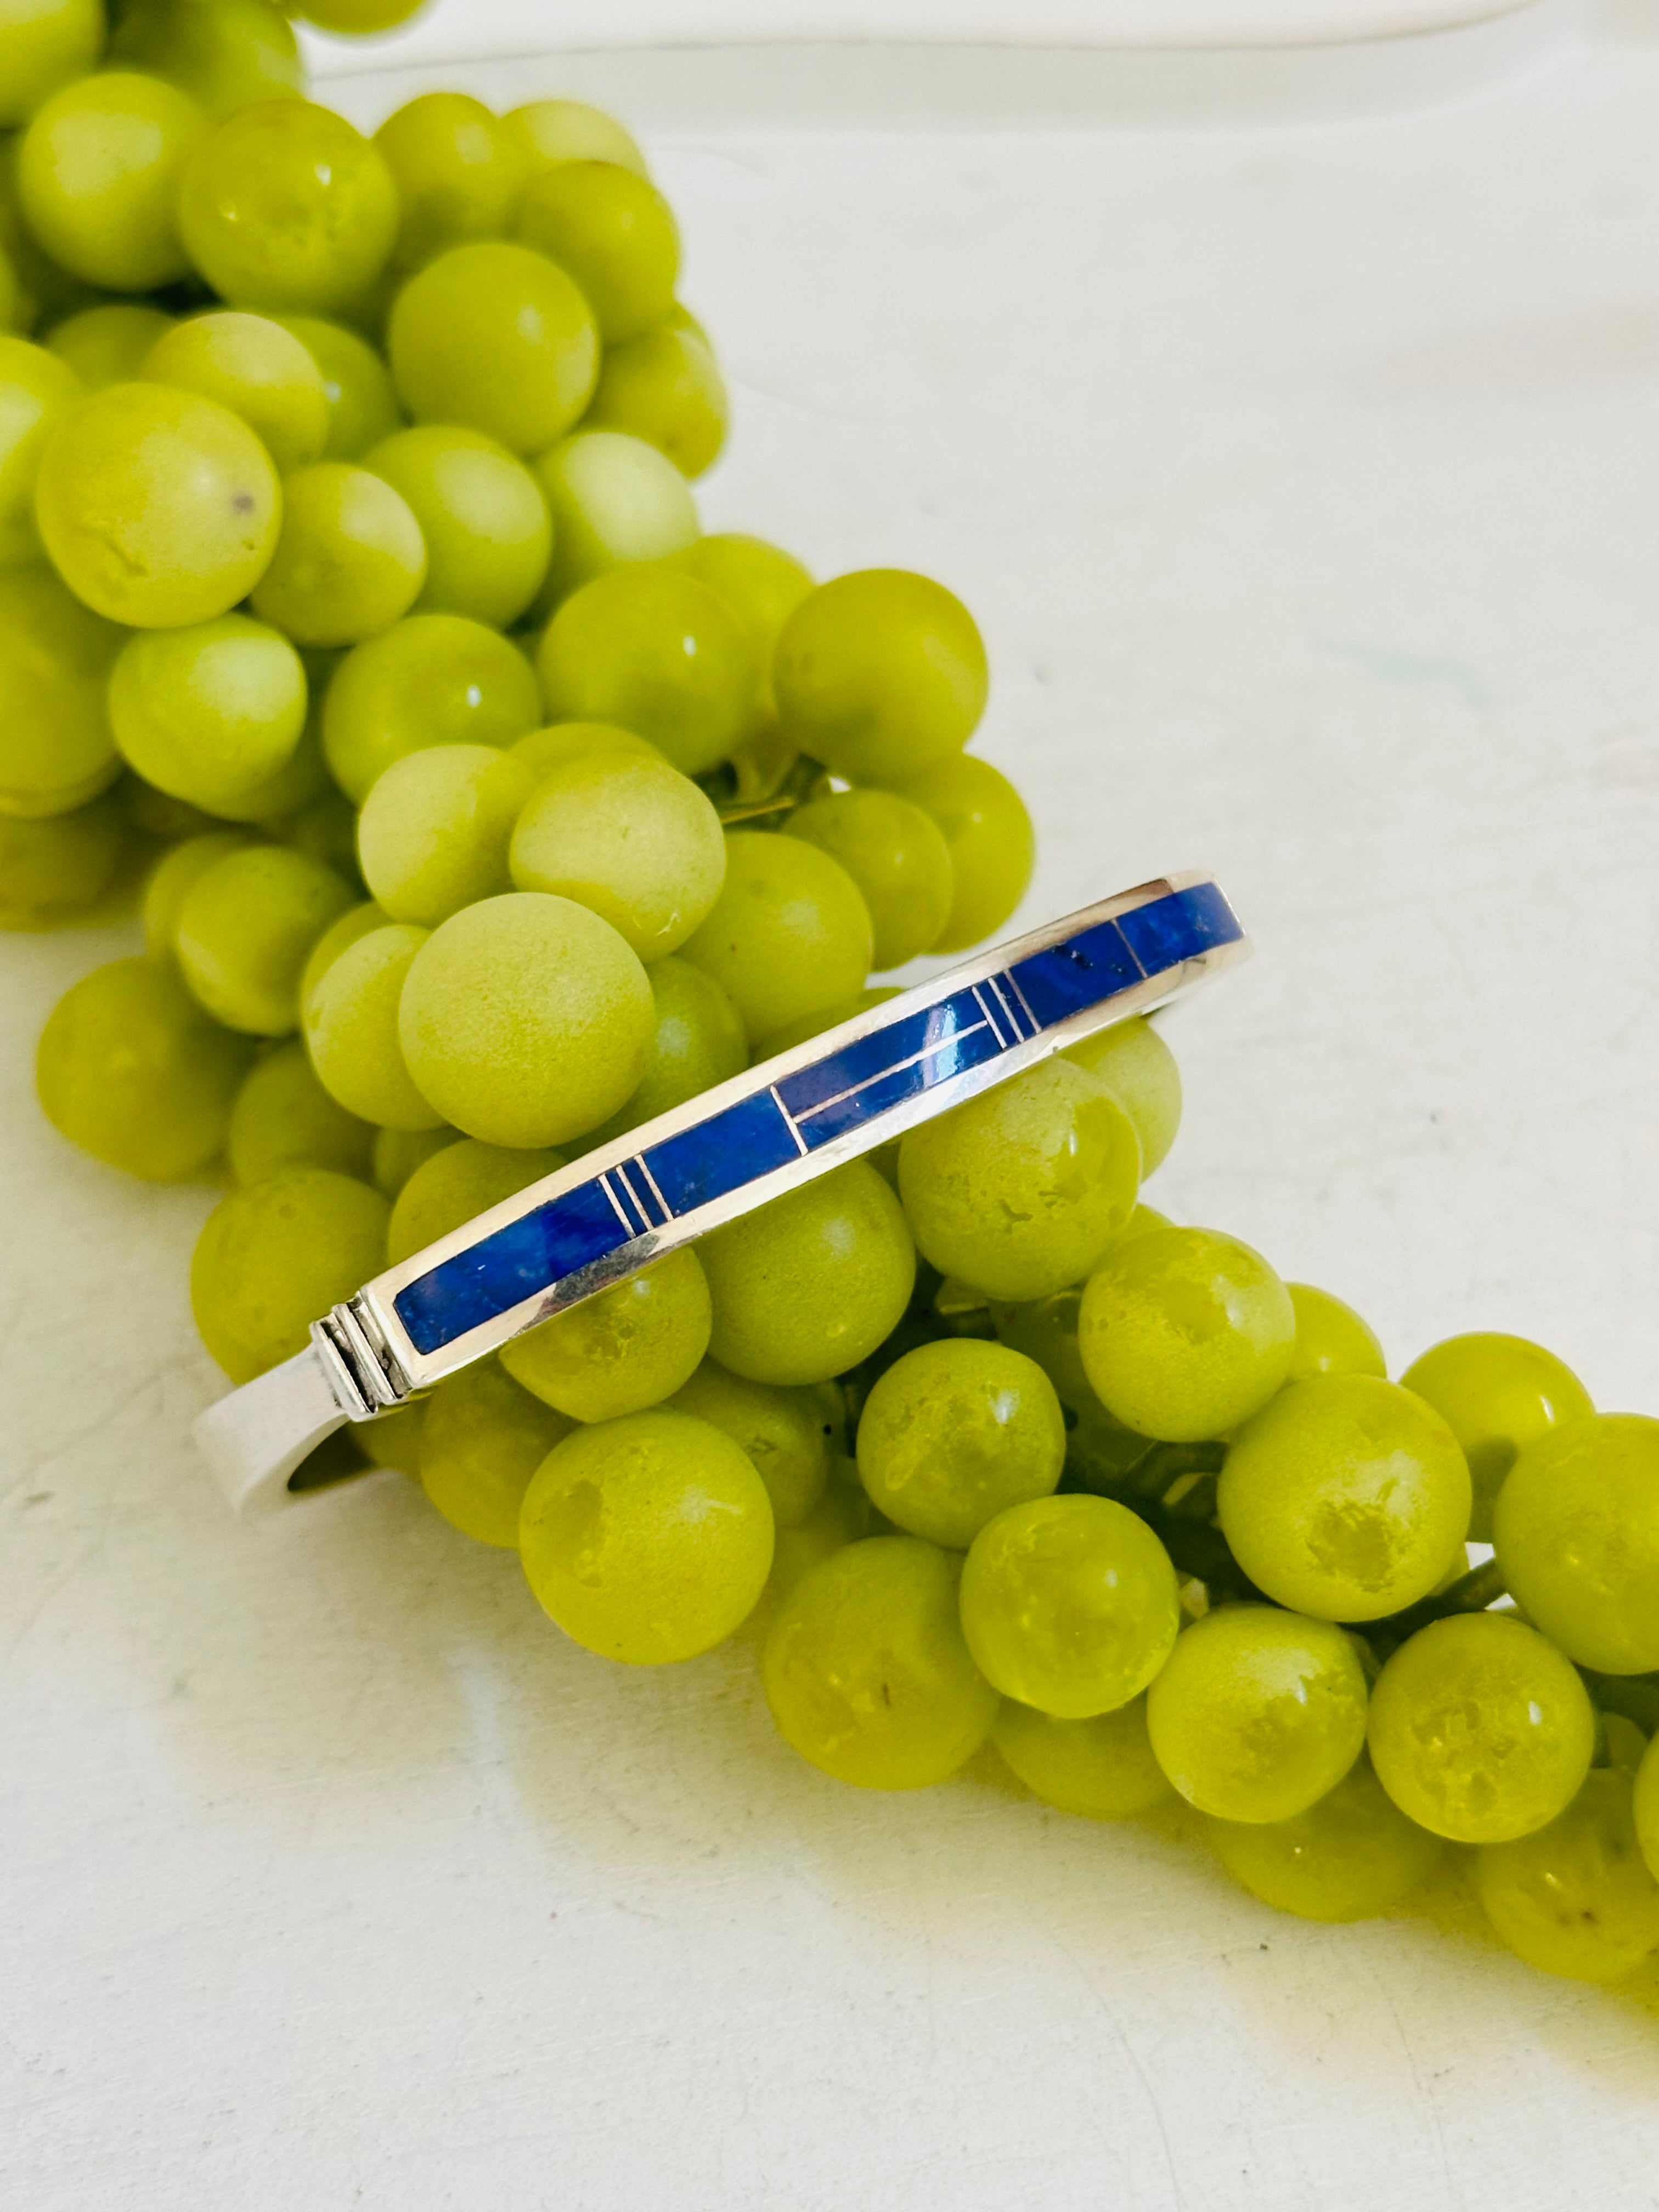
1304	483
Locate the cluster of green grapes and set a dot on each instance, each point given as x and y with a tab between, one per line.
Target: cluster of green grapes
348	571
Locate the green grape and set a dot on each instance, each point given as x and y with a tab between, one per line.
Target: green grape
275	1257
14	313
1331	1339
841	1518
56	750
350	1014
433	680
363	400
698	1042
616	234
245	928
286	209
807	1026
789	934
1480	1729
786	1433
158	507
1345	1498
324	825
1258	1713
647	1539
44	44
283	1118
457	172
36	389
46	292
254	367
656	650
1644	1807
226	55
1350	1857
561	742
494	336
1577	1529
1131	1061
434	832
809	1285
629	1348
1497	1395
1184	1333
398	1152
54	869
351	560
489	536
1045	1329
1069	1604
1622	1742
1102	1767
526	1019
896	855
356	921
98	176
880	675
613	498
761	584
131	1070
866	1671
633	839
209	714
955	1432
666	388
1019	1191
453	1184
154	814
172	878
109	345
1576	1898
548	131
1143	1220
482	1440
357	19
991	844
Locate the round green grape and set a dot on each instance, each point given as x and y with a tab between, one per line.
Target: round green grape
109	345
1045	1329
286	209
351	560
866	1671
458	171
275	1257
616	234
363	400
561	743
44	44
1644	1807
809	1285
58	866
351	1012
954	1433
896	856
494	336
1576	1898
1577	1529
1102	1767
283	1118
356	921
761	583
1345	1498
398	1152
98	175
173	876
1069	1604
434	830
547	132
433	680
1131	1061
526	1019
666	388
1480	1730
456	1183
56	749
613	498
245	928
44	293
324	823
1019	1191
647	1539
210	713
15	311
225	56
698	1042
789	936
1350	1857
482	1440
841	1518
1331	1339
1497	1395
257	369
991	844
629	1348
36	389
786	1433
154	814
489	535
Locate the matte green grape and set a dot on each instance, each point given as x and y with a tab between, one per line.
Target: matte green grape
44	44
789	934
455	1183
229	55
283	1118
698	1041
1497	1395
98	174
544	132
363	400
1577	1529
434	830
56	748
482	513
355	19
244	932
616	234
351	560
897	857
1131	1061
257	369
1644	1807
1102	1767
398	1152
433	680
954	1432
210	713
350	1014
631	1347
786	1433
761	583
109	345
1349	1856
1331	1339
36	389
54	868
458	171
481	1441
561	743
666	388
173	876
274	1257
612	499
1577	1898
991	844
356	921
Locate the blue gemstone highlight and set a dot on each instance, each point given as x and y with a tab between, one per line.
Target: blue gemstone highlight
851	1112
721	1155
514	1263
934	1027
1180	927
1087	969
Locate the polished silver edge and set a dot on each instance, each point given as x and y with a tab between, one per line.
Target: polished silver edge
255	1439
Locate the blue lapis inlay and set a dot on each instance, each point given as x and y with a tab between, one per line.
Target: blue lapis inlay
512	1264
722	1154
971	1048
1178	929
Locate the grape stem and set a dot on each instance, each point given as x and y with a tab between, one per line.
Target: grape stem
1471	1593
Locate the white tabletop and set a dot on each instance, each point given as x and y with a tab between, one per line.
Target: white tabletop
1304	483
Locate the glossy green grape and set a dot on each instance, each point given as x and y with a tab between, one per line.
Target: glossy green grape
1258	1713
434	832
1019	1191
613	498
657	652
526	1019
36	389
283	1118
109	345
1184	1333
58	866
257	369
494	336
1497	1395
1644	1807
356	921
807	1287
98	175
363	400
616	234
485	520
433	680
1345	1498
357	19
481	1441
56	749
647	1539
822	1018
991	844
1480	1730
173	876
866	1671
666	388
210	713
351	560
955	1432
44	44
1069	1604
1349	1856
285	208
453	1183
457	172
1131	1061
897	857
1577	1529
350	1014
786	1433
130	1069
634	840
761	583
561	743
397	1152
275	1256
1102	1767
245	928
789	934
1331	1339
1576	1898
632	1347
225	56
547	132
698	1041
158	507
